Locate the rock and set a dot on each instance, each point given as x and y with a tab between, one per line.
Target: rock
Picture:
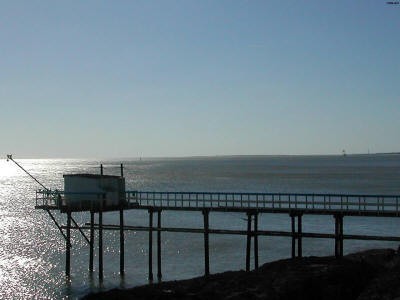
373	274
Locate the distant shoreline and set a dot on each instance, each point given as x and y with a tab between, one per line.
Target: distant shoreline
205	156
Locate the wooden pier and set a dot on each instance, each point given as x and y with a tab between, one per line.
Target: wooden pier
295	206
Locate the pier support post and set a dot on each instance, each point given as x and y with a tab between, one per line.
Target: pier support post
121	240
100	245
299	236
150	245
256	241
293	222
91	242
248	246
206	243
68	250
101	230
341	236
338	235
121	233
159	274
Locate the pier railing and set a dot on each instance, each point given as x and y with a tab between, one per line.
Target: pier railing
304	201
230	201
56	199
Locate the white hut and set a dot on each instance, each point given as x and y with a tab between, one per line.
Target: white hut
93	191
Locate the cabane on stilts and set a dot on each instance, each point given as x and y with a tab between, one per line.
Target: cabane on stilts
94	193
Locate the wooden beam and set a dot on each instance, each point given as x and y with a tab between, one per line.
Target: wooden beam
244	232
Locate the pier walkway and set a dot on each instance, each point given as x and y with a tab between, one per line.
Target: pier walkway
366	205
346	204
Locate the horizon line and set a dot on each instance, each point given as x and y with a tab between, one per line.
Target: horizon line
203	156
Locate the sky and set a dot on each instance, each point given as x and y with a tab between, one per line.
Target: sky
91	79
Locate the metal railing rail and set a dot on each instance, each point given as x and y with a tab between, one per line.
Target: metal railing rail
55	198
334	202
235	200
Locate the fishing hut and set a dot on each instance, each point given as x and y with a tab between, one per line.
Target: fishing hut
94	193
99	193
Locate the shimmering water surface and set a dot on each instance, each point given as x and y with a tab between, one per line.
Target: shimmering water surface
32	251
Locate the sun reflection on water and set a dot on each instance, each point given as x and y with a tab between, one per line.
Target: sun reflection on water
32	251
7	169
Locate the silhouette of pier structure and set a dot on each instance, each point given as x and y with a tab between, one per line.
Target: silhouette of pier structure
295	205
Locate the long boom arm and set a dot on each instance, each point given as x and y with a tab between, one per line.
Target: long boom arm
9	157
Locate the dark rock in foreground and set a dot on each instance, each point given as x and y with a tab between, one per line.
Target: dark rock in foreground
373	274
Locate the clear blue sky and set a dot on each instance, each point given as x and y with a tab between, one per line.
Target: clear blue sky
183	78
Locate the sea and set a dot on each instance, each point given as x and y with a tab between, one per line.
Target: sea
32	250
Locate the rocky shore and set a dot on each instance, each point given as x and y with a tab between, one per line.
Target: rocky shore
372	274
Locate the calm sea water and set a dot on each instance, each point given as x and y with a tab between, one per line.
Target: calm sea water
32	251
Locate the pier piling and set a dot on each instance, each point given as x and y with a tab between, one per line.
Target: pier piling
91	242
338	235
150	245
206	243
293	223
256	241
299	236
68	247
341	236
159	274
248	246
100	245
121	241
